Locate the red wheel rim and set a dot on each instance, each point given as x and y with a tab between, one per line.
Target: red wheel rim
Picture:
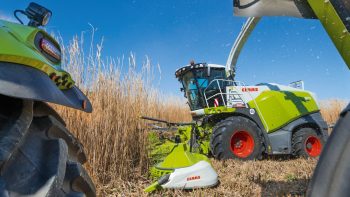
242	144
313	146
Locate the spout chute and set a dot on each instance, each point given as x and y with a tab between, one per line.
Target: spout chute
260	8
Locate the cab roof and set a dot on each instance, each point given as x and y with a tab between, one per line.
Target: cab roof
179	72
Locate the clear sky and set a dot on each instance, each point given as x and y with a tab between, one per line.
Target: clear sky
171	33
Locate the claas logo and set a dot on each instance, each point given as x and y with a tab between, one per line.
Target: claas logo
191	178
250	89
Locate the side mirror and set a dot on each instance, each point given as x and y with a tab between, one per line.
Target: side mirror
181	89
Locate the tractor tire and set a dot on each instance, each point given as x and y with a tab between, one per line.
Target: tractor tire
237	137
306	143
38	155
332	174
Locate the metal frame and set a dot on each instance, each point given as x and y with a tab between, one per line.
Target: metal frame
223	93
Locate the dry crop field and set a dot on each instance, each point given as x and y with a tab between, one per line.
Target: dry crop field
115	139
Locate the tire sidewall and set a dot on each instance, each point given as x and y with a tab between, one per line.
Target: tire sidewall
331	175
235	125
308	132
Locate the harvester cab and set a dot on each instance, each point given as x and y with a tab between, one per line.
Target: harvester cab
197	80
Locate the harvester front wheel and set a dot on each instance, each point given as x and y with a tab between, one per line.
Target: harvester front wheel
306	143
38	155
237	138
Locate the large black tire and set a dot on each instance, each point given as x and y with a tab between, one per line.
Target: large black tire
307	143
38	155
237	137
332	173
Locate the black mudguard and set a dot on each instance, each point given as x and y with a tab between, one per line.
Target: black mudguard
315	119
25	82
281	140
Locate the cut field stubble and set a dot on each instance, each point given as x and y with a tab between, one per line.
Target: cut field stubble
115	139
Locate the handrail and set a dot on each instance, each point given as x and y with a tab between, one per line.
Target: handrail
239	95
234	83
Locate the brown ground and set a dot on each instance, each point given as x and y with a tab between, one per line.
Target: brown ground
237	178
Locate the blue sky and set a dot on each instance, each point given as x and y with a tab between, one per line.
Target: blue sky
172	33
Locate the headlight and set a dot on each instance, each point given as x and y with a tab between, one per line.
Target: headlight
46	18
50	49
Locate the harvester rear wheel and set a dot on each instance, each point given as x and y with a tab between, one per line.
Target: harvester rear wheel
38	155
237	137
306	143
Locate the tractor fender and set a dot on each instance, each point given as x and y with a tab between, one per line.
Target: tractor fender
310	119
281	140
24	82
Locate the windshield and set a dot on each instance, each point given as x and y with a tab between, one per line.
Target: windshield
343	9
196	81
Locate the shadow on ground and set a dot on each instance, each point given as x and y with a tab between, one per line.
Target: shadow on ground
293	187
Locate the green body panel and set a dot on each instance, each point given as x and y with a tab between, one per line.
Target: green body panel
334	26
218	110
278	108
17	46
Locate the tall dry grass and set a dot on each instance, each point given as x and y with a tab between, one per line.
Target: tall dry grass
114	137
330	109
115	140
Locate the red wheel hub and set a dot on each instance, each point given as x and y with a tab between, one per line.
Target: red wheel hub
313	146
242	144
